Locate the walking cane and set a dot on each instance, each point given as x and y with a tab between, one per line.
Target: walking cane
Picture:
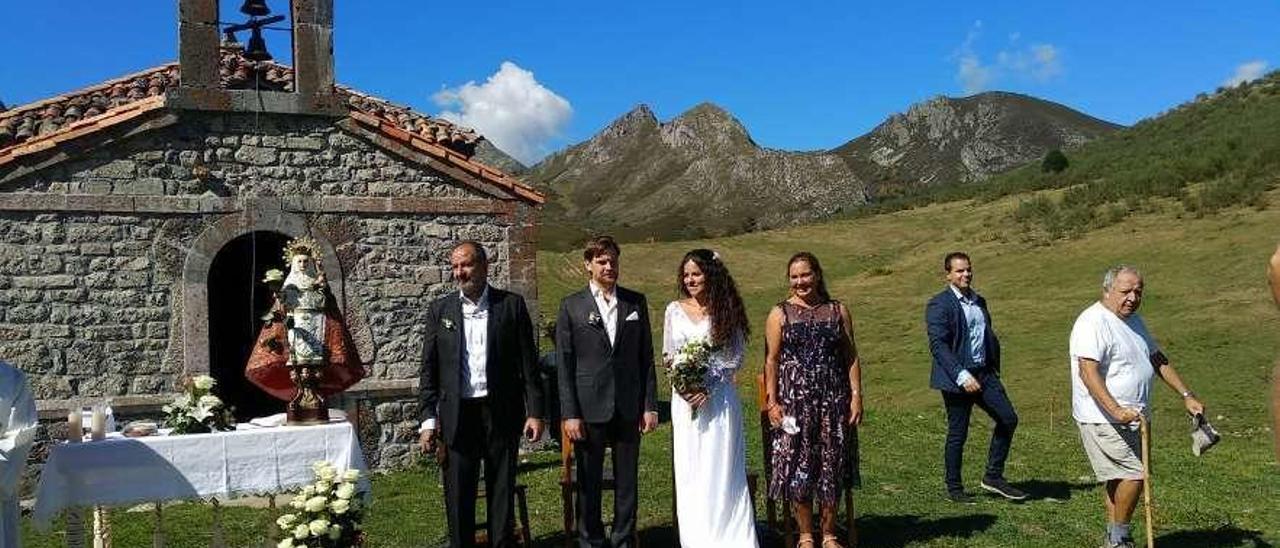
1145	434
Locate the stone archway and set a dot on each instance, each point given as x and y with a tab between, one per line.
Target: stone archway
199	261
237	301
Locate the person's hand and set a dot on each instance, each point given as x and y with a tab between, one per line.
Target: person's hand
427	440
971	385
1193	405
573	429
648	422
696	399
855	410
1126	415
533	428
775	415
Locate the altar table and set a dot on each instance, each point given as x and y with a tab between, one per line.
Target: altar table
126	471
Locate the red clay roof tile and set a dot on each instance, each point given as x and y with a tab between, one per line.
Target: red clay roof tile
25	129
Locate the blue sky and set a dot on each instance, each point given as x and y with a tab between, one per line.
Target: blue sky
800	75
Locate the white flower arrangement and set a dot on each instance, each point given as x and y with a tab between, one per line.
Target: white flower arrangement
326	513
196	410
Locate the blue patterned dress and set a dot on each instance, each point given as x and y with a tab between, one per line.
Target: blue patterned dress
813	386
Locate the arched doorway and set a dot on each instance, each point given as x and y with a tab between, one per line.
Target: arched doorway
237	301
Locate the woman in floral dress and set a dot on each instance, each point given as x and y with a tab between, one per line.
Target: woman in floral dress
813	384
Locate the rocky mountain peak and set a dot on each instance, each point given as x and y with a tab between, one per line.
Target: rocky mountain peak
706	126
947	139
637	119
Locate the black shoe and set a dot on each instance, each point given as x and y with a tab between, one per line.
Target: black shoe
960	497
1001	487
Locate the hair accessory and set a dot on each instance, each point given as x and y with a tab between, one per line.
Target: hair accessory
715	256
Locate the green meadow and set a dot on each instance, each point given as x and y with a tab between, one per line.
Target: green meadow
1206	302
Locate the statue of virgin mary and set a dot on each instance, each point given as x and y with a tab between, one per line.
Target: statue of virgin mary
304	326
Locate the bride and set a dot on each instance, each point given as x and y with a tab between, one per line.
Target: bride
712	503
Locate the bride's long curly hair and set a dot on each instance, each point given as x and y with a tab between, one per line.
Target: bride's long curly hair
724	304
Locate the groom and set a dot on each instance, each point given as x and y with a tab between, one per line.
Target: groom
607	389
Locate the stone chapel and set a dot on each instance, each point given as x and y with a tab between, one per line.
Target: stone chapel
137	217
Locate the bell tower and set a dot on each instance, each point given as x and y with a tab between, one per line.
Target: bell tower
203	62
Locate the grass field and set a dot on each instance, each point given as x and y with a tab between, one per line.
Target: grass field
1206	302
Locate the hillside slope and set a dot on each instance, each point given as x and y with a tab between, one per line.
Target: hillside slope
1206	302
1216	151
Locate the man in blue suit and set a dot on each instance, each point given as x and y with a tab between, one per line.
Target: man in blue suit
966	369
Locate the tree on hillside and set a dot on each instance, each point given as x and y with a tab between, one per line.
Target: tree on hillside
1054	162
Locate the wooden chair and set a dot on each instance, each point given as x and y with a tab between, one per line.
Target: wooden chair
523	533
785	524
569	491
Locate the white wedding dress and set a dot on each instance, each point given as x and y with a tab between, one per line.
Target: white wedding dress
712	502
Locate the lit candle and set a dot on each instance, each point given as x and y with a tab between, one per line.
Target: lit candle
99	425
75	425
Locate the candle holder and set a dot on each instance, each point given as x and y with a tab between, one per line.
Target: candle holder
98	423
75	424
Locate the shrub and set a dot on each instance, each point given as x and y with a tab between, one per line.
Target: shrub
1054	162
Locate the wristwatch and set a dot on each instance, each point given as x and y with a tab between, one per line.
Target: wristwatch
1188	394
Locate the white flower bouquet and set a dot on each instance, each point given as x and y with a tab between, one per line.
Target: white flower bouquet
326	513
688	369
196	410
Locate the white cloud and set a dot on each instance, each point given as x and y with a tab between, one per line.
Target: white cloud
511	109
1046	62
1247	72
972	74
1038	62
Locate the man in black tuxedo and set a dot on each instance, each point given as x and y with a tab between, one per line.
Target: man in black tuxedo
607	389
479	384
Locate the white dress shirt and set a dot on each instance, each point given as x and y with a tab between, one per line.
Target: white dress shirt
475	332
475	335
607	303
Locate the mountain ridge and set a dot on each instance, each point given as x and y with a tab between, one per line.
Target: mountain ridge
967	139
701	173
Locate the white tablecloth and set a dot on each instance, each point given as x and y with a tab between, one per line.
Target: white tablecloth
195	466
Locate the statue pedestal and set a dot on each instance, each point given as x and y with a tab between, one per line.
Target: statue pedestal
307	406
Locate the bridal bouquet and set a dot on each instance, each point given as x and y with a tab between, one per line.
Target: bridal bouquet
326	513
688	368
196	410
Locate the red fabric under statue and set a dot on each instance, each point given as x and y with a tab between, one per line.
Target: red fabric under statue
304	293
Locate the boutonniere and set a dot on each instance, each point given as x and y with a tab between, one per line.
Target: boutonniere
593	319
447	323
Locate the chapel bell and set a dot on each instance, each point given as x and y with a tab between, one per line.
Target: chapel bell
255	8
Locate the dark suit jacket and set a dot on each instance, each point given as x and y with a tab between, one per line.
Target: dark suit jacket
949	340
598	379
511	363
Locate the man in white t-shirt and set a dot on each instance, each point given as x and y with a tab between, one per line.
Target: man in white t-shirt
1273	278
1113	359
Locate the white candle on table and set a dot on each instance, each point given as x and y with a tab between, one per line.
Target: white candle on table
75	425
99	426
